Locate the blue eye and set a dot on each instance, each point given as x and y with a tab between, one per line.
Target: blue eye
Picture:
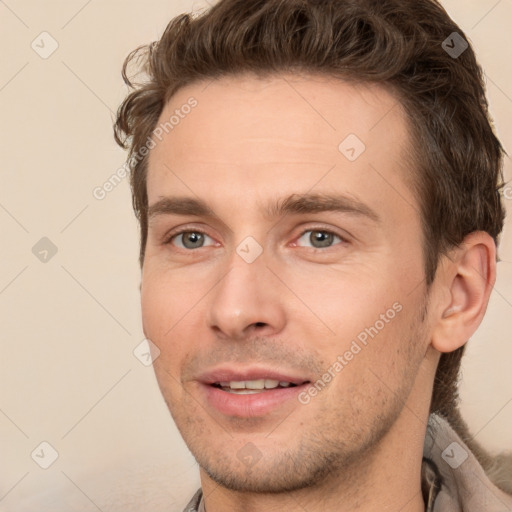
319	239
189	239
193	239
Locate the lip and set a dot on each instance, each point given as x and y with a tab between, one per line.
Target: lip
253	405
226	374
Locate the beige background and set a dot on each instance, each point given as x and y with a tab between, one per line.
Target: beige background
69	326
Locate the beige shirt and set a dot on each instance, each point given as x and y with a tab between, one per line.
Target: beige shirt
452	478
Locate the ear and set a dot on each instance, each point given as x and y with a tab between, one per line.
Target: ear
466	281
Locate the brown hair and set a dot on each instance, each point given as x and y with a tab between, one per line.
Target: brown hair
457	175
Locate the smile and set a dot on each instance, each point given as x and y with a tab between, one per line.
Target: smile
250	392
247	387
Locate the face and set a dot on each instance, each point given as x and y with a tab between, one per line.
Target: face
283	278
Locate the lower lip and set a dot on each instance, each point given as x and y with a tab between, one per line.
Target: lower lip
250	405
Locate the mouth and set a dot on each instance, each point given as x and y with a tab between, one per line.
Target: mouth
252	392
250	387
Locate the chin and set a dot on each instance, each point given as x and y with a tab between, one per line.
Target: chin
265	479
275	471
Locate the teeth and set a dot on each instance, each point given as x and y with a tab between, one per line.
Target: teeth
254	385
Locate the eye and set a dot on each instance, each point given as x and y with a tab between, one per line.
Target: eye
189	239
193	239
318	238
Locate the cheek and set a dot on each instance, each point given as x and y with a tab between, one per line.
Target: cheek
362	324
162	308
374	374
344	304
161	326
154	304
164	299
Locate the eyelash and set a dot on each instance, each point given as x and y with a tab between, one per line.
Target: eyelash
343	241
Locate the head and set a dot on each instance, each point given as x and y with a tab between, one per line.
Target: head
274	91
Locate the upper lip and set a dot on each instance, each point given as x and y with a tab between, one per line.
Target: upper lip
230	374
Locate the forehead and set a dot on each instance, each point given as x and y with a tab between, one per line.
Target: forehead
283	132
285	105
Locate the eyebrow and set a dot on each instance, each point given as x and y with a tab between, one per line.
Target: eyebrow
293	204
317	203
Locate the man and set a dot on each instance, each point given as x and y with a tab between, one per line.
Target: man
317	184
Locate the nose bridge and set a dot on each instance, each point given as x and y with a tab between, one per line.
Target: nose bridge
245	297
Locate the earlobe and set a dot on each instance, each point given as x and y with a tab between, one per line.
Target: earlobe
468	278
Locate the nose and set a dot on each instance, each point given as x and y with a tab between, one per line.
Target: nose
246	301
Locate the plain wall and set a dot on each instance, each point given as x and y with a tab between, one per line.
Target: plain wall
69	325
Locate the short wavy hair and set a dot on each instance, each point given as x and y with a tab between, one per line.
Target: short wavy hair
402	45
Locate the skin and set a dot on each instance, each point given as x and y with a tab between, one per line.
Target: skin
357	444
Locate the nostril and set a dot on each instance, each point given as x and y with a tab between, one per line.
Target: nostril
260	324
